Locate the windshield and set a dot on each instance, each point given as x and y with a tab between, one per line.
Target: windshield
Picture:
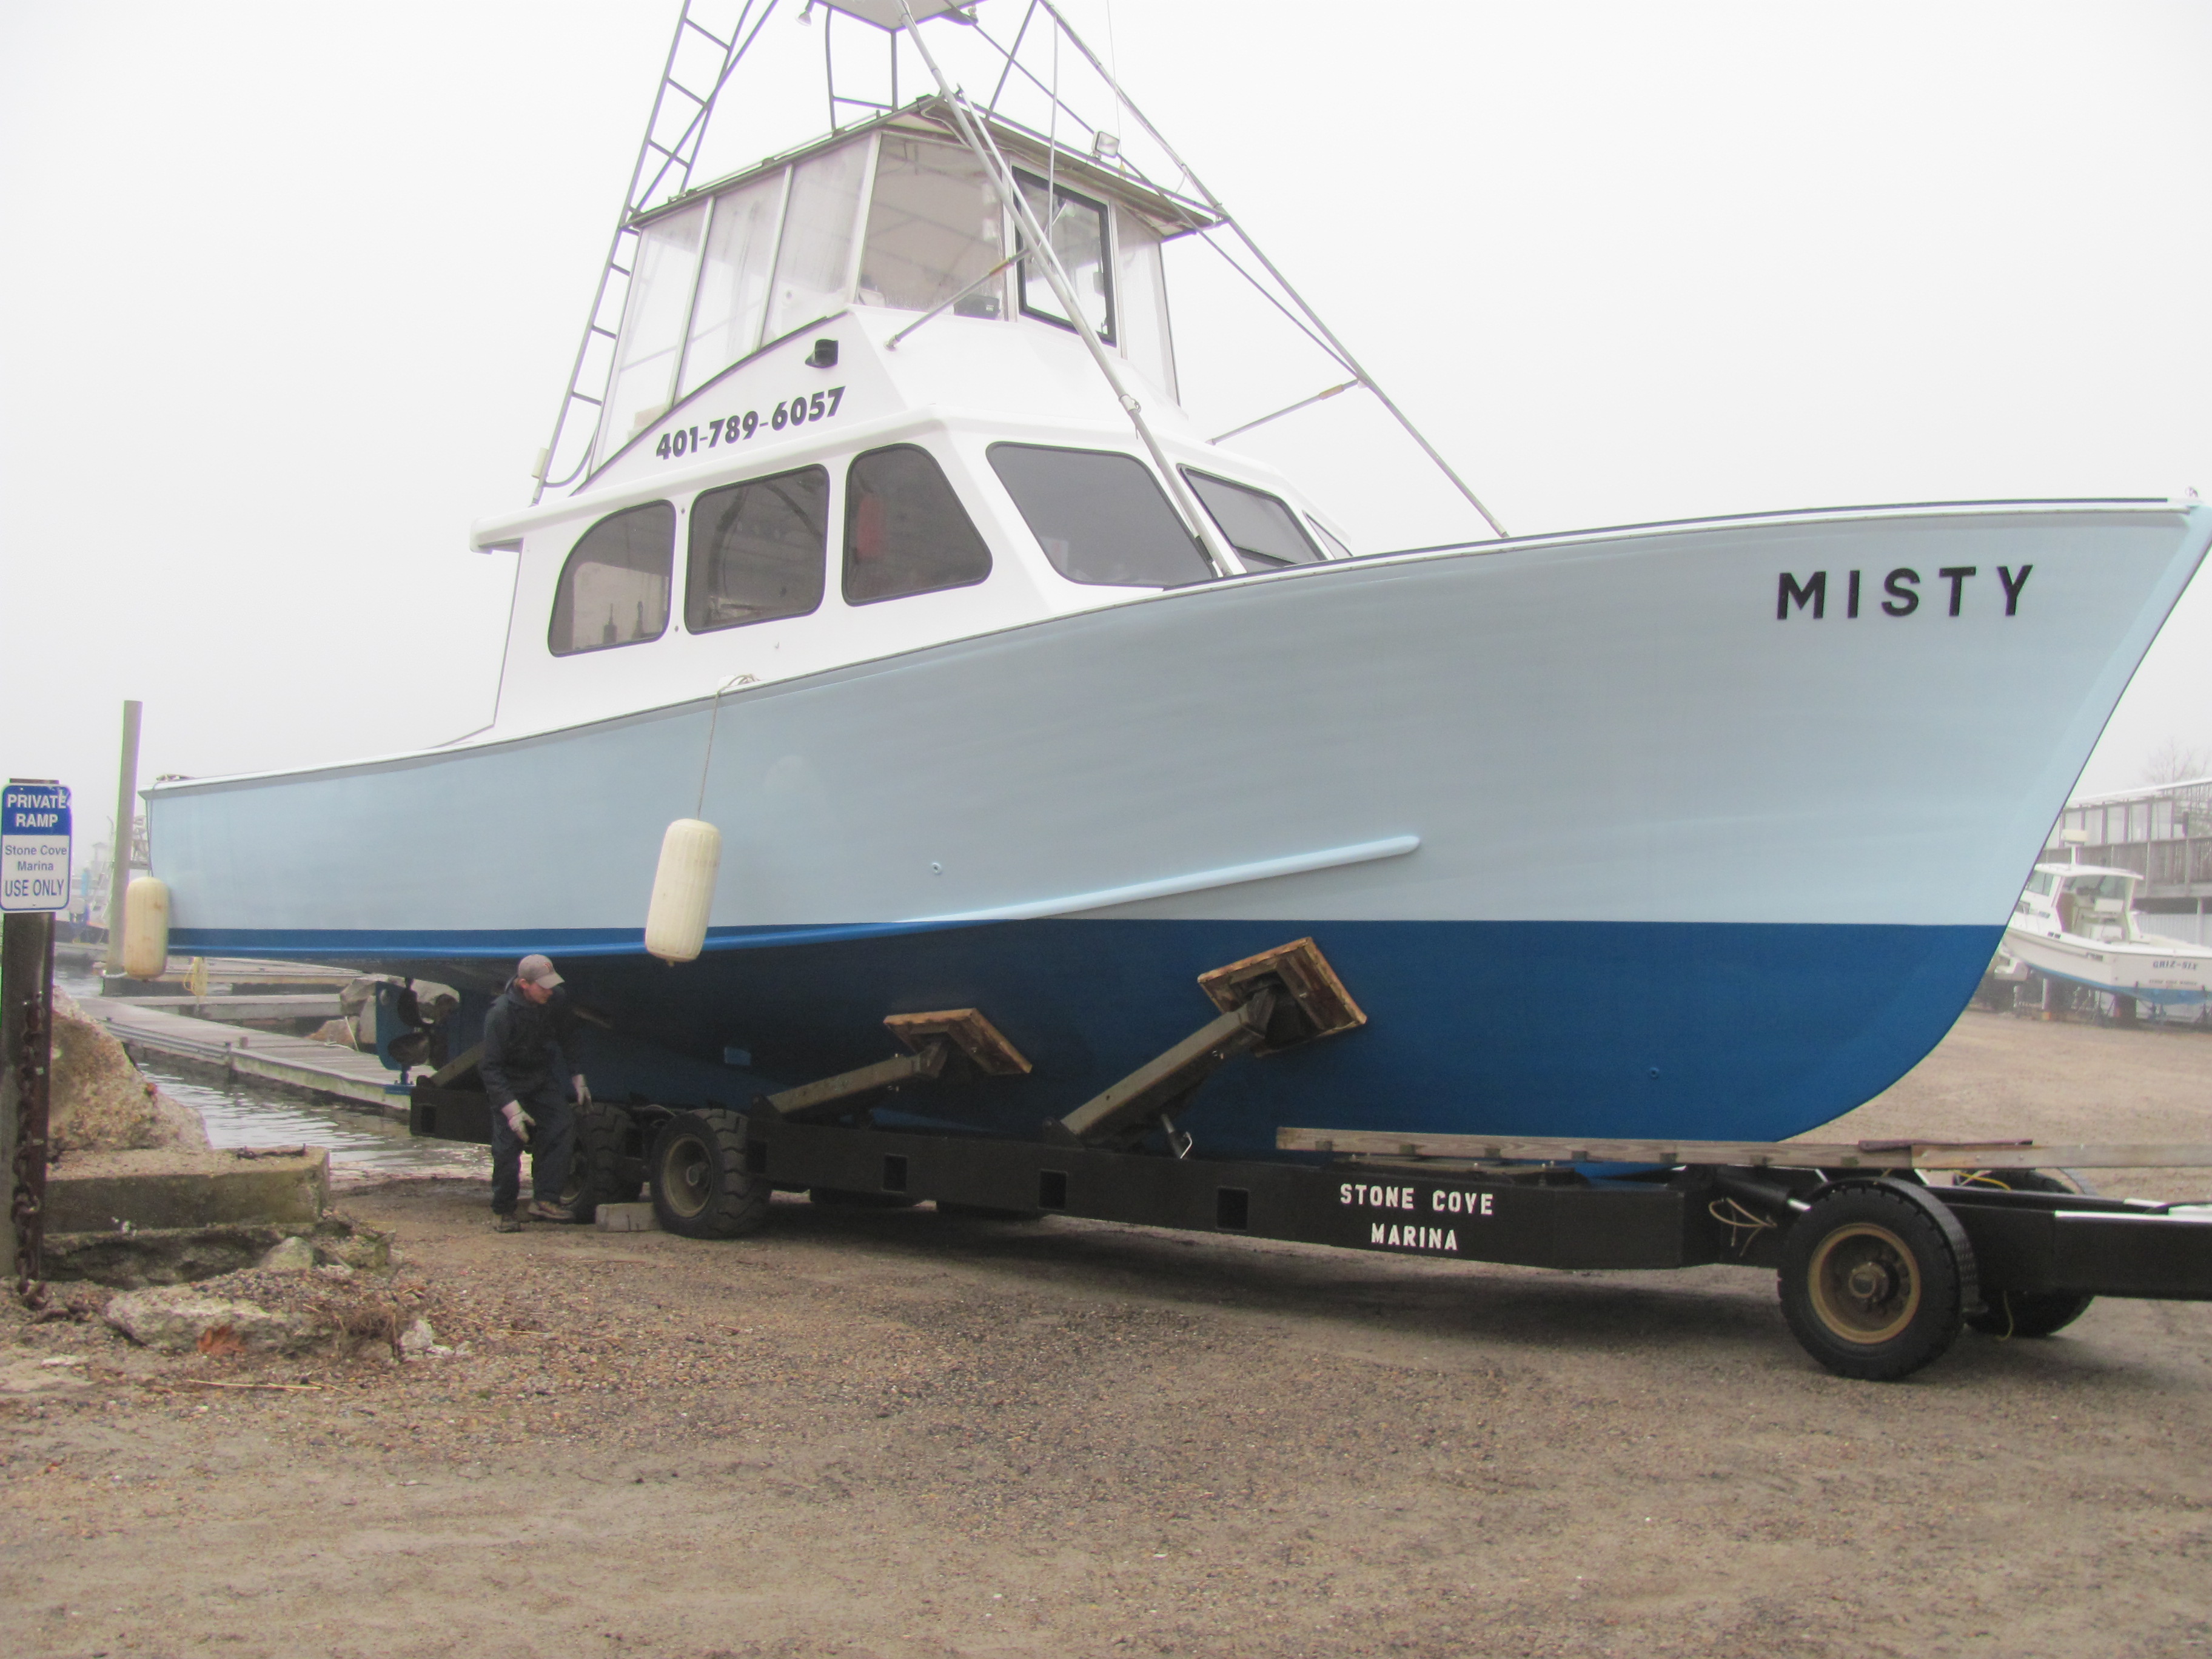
1264	531
1101	517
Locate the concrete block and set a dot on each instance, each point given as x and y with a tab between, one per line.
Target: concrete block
627	1219
101	1192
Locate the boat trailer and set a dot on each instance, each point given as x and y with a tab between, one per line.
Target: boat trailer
1880	1266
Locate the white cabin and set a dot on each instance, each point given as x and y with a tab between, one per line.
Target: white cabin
2087	901
846	419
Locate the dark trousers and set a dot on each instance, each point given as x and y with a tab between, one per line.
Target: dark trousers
552	1142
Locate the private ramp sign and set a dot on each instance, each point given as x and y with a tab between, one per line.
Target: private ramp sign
34	847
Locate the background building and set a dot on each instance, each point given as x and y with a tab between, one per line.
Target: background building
2164	834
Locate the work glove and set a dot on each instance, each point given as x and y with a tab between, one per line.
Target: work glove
518	1120
583	1091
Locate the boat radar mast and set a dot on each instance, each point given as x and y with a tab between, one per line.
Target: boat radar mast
697	278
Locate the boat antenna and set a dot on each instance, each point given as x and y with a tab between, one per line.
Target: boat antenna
976	136
1325	337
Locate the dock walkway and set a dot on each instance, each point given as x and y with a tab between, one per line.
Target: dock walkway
320	1068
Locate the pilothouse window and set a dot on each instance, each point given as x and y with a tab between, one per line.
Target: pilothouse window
934	230
1264	532
726	318
1101	518
905	530
758	551
614	589
653	328
1076	228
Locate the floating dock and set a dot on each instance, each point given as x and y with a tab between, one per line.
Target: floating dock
144	1027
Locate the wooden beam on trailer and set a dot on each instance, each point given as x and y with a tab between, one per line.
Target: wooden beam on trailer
1754	1154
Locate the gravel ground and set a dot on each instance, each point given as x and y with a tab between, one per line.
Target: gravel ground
899	1434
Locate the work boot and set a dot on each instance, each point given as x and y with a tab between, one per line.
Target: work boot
540	1210
503	1221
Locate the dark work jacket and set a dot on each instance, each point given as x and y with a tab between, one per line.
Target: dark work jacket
522	1050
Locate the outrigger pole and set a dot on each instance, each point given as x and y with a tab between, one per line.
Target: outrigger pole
1328	337
978	139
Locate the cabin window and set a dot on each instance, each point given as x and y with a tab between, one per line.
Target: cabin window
758	550
642	386
905	530
1264	531
1101	517
935	230
813	266
2100	887
2041	882
1076	228
614	589
733	278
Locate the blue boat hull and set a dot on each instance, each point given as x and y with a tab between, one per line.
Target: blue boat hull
1697	1031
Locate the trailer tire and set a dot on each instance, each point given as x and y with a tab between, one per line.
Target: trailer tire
1873	1285
2029	1313
608	1167
701	1187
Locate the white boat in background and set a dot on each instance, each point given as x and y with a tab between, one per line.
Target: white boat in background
877	533
2078	923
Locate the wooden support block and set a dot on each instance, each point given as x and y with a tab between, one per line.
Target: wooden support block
982	1043
1310	985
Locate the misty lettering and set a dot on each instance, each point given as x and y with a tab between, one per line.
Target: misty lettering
1806	597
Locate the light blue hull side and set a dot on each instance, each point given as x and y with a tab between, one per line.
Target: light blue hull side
1562	816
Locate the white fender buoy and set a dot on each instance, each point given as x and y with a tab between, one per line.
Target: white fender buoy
682	889
146	927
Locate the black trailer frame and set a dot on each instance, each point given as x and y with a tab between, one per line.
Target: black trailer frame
1879	1267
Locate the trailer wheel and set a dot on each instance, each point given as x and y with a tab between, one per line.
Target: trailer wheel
2028	1313
1870	1285
701	1186
608	1167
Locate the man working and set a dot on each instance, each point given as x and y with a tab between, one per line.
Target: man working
529	1080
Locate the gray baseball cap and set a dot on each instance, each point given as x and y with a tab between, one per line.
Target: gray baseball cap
536	970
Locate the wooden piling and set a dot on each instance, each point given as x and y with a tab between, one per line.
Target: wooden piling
26	978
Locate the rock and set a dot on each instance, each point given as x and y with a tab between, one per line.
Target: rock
339	1031
179	1319
145	1256
364	1249
61	1375
292	1255
100	1102
420	1341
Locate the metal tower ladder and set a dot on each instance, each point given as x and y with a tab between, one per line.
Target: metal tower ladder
663	168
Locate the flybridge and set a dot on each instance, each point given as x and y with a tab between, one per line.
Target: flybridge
996	198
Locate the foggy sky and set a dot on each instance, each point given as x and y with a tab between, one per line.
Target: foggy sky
291	293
